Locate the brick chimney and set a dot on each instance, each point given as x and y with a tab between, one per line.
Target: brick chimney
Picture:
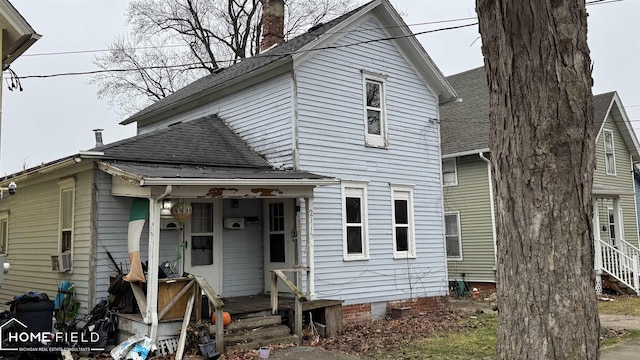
272	23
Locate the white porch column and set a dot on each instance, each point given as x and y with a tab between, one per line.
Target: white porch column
152	268
617	221
308	202
597	263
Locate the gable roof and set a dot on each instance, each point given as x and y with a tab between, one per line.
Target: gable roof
205	141
18	35
465	124
284	54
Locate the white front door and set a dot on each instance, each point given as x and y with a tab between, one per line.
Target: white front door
279	243
203	237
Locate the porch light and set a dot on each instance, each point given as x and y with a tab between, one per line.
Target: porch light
166	208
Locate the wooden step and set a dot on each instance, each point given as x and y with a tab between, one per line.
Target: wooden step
253	322
259	334
254	345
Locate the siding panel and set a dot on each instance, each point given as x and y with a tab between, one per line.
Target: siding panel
331	142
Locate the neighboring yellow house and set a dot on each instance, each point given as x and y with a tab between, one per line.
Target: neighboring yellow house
468	203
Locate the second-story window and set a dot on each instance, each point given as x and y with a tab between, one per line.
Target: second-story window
449	172
609	153
375	110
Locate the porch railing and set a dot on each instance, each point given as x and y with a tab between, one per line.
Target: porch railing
630	250
299	296
620	265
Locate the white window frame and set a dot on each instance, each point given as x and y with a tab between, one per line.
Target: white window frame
65	186
403	192
374	140
4	235
355	189
455	171
457	214
610	170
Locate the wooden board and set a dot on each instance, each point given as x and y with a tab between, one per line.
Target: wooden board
167	291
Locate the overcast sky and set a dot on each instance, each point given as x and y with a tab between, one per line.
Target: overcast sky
53	117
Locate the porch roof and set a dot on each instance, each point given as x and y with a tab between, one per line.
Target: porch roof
147	174
607	191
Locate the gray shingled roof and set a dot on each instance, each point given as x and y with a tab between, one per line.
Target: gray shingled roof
206	141
464	126
244	67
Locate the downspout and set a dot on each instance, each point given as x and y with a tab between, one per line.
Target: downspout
493	212
154	252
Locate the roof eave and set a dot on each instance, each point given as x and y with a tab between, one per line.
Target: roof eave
237	182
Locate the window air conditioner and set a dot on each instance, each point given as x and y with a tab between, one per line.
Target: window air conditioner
61	262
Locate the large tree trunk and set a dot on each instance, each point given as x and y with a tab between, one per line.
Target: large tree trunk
542	148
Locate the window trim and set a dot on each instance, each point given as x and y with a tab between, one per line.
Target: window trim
612	238
361	187
372	140
607	170
63	186
407	194
4	216
457	214
455	171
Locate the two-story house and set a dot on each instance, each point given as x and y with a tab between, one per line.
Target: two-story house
469	207
320	155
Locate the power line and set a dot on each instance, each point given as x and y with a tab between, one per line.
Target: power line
194	65
190	66
74	52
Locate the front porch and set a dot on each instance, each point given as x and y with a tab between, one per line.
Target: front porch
617	262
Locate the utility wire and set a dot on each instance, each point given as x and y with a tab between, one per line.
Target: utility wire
193	65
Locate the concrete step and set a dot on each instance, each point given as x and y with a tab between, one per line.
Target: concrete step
254	345
252	323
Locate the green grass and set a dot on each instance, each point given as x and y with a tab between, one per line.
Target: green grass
477	341
629	335
621	306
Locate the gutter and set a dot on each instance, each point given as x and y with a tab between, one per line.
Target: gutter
493	212
238	182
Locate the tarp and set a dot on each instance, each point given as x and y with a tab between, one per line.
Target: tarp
137	216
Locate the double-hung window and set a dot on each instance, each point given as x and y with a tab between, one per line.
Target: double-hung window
609	153
452	235
449	172
66	221
4	232
375	110
404	245
354	221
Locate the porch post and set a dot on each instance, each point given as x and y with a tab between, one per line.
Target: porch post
152	268
597	263
308	201
617	221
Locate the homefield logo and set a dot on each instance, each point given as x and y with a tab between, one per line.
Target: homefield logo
15	336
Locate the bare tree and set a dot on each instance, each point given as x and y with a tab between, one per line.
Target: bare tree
542	147
174	42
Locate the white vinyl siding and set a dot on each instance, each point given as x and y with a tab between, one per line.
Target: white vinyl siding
375	110
609	153
354	221
404	242
329	87
449	172
452	235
